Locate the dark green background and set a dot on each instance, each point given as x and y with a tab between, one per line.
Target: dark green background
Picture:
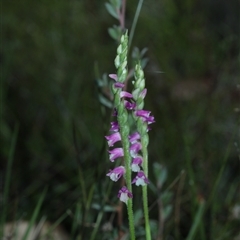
49	88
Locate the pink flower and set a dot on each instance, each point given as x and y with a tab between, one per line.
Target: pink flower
140	179
115	153
128	105
135	164
142	113
116	173
125	94
124	194
115	137
149	120
113	76
117	84
135	148
143	93
145	115
114	127
134	137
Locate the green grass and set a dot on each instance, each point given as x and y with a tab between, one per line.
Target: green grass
7	179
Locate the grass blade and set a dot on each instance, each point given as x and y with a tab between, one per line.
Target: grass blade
35	214
8	176
139	7
197	221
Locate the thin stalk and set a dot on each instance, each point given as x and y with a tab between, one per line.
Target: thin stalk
146	215
122	117
210	203
57	222
220	173
8	177
35	214
190	172
122	15
97	225
192	183
139	7
127	159
139	87
145	195
197	221
131	219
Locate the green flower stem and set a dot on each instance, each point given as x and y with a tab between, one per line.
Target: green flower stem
139	7
146	216
121	65
124	131
145	195
131	218
139	86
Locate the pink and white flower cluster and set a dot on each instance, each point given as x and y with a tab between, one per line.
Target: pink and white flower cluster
135	143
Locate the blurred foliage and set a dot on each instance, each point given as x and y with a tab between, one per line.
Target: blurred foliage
48	87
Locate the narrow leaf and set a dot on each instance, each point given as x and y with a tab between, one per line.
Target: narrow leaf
111	10
113	33
197	221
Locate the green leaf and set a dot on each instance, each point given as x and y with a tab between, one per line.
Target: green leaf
104	101
160	173
112	32
116	3
197	220
144	51
136	53
166	197
115	32
144	62
138	215
167	211
112	11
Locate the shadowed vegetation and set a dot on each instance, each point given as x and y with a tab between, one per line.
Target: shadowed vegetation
49	89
